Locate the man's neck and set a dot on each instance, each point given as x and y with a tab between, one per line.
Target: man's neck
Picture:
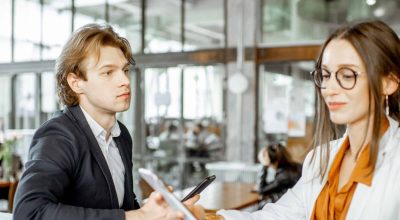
104	119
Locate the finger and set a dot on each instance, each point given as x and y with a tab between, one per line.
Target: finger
192	200
170	189
175	216
198	212
156	197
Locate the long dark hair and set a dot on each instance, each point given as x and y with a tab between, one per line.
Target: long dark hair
278	153
379	48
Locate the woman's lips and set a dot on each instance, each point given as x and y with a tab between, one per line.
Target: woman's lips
335	105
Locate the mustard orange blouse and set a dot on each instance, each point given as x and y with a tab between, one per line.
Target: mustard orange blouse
333	204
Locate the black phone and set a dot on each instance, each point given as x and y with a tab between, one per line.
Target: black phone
199	188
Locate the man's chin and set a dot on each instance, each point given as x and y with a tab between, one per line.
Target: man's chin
122	108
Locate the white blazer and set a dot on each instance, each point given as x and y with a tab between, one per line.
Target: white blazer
380	201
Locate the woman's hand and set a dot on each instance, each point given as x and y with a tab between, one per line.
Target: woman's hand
197	210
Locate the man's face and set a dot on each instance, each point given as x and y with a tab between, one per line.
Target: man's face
107	89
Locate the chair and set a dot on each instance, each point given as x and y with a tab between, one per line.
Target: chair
11	194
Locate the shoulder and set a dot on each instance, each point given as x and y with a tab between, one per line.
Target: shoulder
312	163
60	125
56	136
321	150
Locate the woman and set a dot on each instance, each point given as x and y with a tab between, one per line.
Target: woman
356	176
279	172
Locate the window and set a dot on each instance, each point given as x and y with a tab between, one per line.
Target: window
5	34
57	18
163	26
204	24
27	30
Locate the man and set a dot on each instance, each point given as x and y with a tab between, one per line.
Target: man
80	162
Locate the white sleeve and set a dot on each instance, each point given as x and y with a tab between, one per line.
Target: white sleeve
291	206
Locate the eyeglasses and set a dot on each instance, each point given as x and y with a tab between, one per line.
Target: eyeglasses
345	77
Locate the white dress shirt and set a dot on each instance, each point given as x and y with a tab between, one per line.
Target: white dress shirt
111	154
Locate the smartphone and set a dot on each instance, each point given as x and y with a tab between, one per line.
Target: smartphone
199	188
158	185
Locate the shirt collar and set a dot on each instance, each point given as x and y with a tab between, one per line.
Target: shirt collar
97	129
362	172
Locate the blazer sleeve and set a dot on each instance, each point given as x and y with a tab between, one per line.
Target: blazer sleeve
47	178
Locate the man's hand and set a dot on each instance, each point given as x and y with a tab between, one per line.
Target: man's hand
154	209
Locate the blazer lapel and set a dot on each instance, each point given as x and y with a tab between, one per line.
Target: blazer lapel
96	152
128	195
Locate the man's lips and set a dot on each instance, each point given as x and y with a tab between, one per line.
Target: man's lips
125	95
335	105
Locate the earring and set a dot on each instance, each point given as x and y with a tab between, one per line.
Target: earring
387	105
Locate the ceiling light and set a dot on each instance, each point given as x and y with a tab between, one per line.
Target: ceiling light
370	2
379	12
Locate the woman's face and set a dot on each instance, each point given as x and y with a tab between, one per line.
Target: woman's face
345	106
264	158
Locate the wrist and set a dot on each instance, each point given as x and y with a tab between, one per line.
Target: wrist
134	215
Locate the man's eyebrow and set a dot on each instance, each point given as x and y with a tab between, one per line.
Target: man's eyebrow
114	66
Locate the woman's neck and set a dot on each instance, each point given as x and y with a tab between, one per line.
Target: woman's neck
359	135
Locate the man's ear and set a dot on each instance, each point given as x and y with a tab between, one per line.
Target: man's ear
74	83
390	84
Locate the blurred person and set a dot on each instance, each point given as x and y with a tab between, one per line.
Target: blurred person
171	133
80	162
356	176
278	174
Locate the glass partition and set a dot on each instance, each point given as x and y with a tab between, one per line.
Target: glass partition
204	24
305	21
125	16
5	101
183	121
163	26
287	107
89	11
57	17
5	34
25	104
27	30
49	98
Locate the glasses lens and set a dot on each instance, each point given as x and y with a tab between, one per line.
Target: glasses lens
346	78
321	76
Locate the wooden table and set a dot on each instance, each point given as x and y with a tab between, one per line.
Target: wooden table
221	195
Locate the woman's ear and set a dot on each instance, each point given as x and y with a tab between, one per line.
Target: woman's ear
390	84
74	83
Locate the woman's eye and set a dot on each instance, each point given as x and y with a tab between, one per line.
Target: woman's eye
325	76
346	74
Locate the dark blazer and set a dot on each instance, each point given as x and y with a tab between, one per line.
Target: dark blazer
67	176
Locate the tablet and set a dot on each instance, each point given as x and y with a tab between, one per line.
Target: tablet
159	186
